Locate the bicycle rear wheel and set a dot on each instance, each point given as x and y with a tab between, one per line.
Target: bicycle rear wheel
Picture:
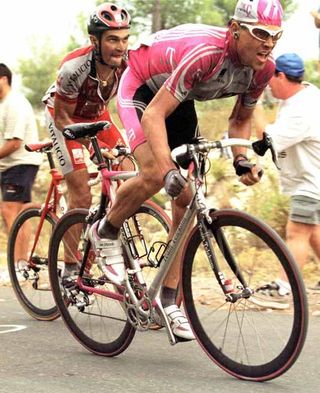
250	339
29	277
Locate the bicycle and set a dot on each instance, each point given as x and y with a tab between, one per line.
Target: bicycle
227	255
29	277
29	271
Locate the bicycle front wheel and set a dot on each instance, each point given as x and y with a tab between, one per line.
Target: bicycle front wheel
97	321
27	257
252	338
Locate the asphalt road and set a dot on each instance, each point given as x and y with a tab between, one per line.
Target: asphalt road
43	357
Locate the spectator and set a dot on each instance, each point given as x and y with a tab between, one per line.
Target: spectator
87	80
18	168
297	139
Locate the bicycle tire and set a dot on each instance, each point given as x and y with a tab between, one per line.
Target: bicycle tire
247	341
94	335
31	284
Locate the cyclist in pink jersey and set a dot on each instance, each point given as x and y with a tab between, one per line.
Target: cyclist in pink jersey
156	105
87	80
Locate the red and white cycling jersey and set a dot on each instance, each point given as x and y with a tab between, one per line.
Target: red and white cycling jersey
77	84
198	62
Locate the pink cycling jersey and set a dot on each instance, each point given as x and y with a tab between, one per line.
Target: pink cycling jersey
197	62
192	61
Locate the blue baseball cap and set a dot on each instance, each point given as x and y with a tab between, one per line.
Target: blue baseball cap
290	64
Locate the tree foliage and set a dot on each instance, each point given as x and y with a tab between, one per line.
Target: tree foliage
163	14
39	71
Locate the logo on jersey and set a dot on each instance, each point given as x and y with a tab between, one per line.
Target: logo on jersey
79	71
131	135
78	156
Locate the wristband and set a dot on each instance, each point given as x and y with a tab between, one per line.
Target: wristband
236	158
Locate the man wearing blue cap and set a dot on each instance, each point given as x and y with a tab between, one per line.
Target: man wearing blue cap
296	134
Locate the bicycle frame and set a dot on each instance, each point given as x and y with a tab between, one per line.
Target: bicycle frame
54	193
197	208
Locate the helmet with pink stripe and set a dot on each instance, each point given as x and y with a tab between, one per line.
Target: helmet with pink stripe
266	12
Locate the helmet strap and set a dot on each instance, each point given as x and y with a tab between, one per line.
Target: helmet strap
97	52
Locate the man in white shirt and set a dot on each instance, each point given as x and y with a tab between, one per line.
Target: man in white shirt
18	168
296	133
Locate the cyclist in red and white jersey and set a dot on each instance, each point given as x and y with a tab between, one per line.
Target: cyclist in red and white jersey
87	80
156	105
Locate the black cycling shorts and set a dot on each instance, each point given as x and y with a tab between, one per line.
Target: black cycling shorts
182	124
16	183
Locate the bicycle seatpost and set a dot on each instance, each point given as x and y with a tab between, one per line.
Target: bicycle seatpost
50	160
97	151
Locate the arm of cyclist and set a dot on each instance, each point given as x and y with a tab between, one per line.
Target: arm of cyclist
240	127
153	124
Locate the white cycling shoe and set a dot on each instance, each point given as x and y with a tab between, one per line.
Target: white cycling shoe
179	323
108	256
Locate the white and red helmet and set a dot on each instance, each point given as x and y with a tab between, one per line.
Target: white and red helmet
108	16
266	12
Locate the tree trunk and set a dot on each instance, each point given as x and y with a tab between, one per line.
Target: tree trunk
156	16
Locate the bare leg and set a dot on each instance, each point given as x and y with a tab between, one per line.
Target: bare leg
9	211
298	237
134	192
79	196
315	240
178	210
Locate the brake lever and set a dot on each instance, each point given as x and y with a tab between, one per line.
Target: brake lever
260	147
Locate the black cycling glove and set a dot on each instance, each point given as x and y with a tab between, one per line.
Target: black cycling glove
242	165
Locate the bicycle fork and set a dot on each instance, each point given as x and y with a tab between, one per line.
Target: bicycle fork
207	234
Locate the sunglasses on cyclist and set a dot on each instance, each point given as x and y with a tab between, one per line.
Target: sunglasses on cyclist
261	33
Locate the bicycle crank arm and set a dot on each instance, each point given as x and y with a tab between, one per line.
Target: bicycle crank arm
172	338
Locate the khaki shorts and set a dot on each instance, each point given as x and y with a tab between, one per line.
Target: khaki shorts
305	209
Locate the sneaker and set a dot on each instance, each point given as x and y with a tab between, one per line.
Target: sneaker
108	256
316	287
21	268
68	274
20	265
179	323
272	295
